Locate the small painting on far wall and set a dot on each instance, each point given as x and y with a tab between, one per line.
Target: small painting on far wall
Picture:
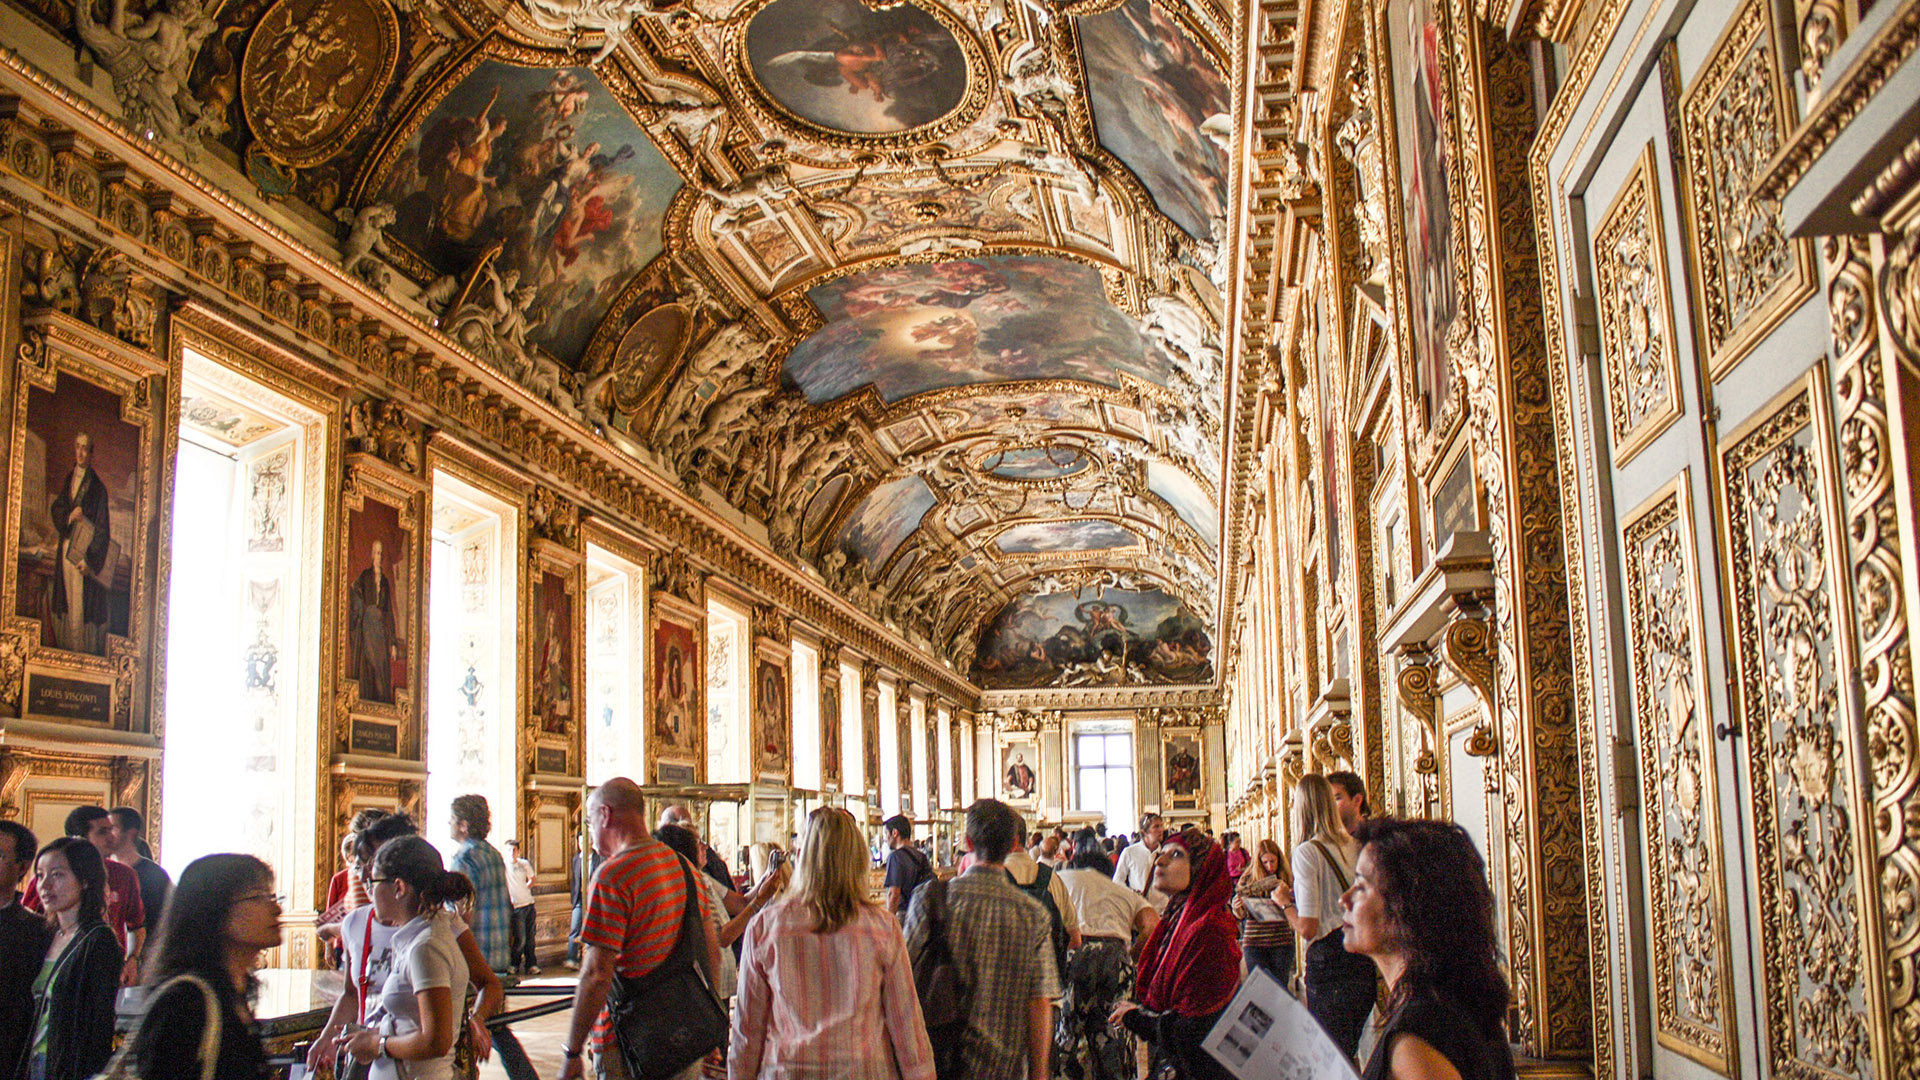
1020	771
675	690
1180	762
378	591
770	704
552	689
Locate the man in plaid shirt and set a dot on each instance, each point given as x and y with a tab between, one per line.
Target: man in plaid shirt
492	905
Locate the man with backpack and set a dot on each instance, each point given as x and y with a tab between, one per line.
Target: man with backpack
983	960
1040	881
907	866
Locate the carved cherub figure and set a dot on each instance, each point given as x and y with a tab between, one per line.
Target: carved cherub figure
149	59
366	241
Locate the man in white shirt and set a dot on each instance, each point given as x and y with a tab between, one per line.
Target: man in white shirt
1134	868
520	896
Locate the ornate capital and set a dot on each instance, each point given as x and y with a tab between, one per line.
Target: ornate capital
674	574
551	516
383	429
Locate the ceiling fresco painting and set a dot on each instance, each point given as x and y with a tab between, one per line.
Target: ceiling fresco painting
545	175
909	329
1042	536
1111	637
852	68
925	289
1158	101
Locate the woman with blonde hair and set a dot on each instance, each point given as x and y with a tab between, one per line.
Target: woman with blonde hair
825	986
1265	943
1340	986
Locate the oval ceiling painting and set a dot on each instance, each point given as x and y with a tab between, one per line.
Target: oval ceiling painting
1036	537
846	67
1121	637
1035	462
905	330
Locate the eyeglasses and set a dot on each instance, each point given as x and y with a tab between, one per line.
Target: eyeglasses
372	881
275	899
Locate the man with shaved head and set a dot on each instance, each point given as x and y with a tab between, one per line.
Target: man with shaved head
711	861
634	909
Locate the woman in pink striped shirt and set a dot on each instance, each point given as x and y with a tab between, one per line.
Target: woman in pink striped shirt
825	987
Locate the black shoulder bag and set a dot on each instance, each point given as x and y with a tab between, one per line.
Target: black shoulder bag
668	1018
936	980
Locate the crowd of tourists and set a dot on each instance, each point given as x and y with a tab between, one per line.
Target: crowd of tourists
1045	955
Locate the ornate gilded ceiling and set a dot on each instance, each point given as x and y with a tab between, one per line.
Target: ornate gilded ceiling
932	290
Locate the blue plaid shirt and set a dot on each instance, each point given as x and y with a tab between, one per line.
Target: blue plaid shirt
491	906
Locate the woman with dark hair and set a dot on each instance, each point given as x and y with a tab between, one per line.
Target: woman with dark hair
416	1017
222	913
1100	972
1266	943
1190	966
1420	908
73	996
683	841
368	942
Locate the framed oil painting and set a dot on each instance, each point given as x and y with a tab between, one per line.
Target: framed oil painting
88	429
1417	54
379	614
554	627
676	687
857	69
772	720
1180	767
830	731
1019	782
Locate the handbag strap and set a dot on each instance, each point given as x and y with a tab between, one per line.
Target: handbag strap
1338	871
632	986
122	1065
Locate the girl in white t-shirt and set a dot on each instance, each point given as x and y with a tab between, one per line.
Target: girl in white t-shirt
414	1017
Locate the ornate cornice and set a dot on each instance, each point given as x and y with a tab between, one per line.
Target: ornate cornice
204	242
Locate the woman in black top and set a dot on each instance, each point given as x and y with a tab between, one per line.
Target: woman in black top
72	1035
1421	910
221	915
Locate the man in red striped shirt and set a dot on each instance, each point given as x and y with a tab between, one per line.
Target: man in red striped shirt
634	909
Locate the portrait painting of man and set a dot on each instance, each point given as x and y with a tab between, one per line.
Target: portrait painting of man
1183	766
1019	781
376	604
80	485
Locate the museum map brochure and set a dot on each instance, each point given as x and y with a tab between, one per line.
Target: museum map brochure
1268	1034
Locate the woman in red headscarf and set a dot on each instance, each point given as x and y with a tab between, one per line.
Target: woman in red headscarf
1190	966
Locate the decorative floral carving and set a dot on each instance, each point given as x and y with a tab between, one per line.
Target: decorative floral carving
1734	119
1805	821
1636	322
552	516
383	429
1678	801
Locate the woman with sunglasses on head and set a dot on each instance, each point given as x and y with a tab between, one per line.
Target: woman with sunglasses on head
416	1017
222	914
1420	909
1190	965
72	1034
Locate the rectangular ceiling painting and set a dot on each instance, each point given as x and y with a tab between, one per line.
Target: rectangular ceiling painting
1118	638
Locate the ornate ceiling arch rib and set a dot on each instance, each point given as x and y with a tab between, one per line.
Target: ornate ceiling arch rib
932	289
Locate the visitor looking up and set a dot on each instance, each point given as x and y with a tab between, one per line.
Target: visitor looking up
130	850
200	983
1190	965
1421	910
415	1017
79	977
1340	985
471	821
1100	972
1002	950
826	988
520	895
123	910
24	936
1133	867
635	906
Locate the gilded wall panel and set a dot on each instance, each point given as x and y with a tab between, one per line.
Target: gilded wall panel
1679	801
1733	119
1806	802
1636	315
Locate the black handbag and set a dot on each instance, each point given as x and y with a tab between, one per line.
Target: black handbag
668	1018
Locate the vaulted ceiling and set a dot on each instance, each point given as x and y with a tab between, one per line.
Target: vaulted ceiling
930	289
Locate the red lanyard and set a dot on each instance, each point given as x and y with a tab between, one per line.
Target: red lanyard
366	958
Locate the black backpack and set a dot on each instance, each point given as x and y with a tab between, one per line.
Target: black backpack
936	980
1041	890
